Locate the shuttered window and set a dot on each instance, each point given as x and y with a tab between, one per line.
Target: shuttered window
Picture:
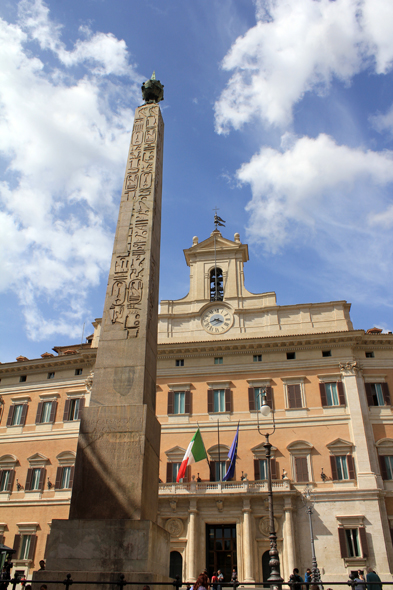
219	400
294	395
301	468
6	480
343	467
377	394
332	394
260	469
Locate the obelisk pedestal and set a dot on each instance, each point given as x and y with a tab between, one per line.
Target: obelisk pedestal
112	526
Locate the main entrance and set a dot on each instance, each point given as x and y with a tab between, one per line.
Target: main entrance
221	549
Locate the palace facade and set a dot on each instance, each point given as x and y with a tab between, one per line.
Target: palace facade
219	348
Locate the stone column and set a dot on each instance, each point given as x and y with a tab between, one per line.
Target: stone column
360	427
192	542
247	542
289	545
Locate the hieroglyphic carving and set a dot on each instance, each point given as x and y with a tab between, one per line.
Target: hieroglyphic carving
140	182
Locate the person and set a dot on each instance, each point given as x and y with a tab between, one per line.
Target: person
234	575
295	580
307	578
202	582
220	577
42	566
214	580
373	577
355	582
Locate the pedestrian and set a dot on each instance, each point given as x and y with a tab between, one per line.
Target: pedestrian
373	580
214	580
202	582
355	582
295	580
307	578
220	577
42	566
234	575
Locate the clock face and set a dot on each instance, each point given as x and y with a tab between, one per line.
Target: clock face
217	319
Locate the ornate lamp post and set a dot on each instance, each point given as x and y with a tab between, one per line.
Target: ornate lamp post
309	502
275	580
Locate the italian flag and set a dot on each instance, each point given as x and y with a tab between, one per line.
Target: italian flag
195	452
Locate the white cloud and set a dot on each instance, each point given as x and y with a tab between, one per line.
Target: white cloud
63	140
299	47
325	196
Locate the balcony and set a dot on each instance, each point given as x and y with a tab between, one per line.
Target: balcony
222	487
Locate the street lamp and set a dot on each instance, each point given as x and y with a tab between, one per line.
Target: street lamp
275	580
309	502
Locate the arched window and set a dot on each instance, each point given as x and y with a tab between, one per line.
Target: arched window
175	565
216	285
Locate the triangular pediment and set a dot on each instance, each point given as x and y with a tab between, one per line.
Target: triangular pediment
175	454
340	446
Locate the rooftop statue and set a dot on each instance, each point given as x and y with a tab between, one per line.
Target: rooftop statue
152	90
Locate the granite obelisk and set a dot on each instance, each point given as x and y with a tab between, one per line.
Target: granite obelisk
112	524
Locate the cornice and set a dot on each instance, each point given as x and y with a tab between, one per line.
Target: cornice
37	365
43	386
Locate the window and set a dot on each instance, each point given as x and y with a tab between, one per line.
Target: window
64	477
172	469
22	378
219	400
326	353
35	479
332	393
218	360
377	394
301	469
261	469
255	397
25	544
46	412
6	475
179	402
291	355
260	464
78	371
370	355
73	408
257	358
179	362
353	541
51	375
386	466
17	415
220	470
343	467
25	547
294	393
216	285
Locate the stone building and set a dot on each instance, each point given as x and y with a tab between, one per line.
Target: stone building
327	383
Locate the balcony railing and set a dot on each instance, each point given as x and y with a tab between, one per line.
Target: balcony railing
222	487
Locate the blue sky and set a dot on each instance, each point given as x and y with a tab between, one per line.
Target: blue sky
279	113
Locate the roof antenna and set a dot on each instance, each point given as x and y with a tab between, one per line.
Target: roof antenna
217	221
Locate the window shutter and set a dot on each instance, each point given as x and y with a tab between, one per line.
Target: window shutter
363	541
10	415
39	413
59	474
81	406
24	414
72	476
386	394
351	467
322	392
28	479
291	396
11	480
369	394
382	467
212	468
333	466
273	466
251	399
187	402
16	547
228	404
53	411
41	485
257	471
187	475
301	469
210	401
341	396
343	542
171	402
33	543
169	472
66	415
269	397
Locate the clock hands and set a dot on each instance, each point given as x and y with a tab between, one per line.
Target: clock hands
216	321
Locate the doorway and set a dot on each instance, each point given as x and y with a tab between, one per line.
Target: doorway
221	549
265	569
175	565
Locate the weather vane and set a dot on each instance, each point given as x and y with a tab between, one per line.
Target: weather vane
217	220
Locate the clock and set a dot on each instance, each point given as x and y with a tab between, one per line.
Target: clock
217	319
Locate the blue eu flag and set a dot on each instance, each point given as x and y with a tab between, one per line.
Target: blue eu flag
232	457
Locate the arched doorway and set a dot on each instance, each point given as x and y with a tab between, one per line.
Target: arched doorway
175	565
265	568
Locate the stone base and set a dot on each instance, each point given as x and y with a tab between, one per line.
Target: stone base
103	549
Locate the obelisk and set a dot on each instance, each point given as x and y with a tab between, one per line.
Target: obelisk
112	523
